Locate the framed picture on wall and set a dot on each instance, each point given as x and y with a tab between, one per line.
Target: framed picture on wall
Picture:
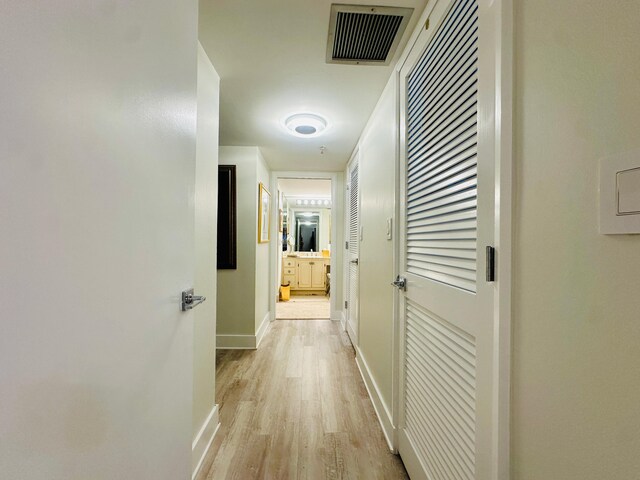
227	218
264	214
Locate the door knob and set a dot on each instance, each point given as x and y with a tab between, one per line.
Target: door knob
189	300
400	282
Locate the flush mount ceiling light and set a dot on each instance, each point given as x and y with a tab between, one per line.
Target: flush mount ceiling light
305	124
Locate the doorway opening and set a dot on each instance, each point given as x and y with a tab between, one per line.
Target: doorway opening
304	248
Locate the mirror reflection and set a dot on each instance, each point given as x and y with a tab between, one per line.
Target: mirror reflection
307	231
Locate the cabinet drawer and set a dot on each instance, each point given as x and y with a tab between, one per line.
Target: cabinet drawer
289	263
289	271
290	279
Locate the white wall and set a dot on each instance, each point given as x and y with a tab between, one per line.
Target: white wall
206	213
97	163
282	205
236	288
337	250
325	227
262	249
377	153
576	327
243	293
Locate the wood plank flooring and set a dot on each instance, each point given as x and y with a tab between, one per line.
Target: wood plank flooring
297	408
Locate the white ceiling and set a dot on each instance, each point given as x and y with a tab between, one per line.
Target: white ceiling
309	187
270	55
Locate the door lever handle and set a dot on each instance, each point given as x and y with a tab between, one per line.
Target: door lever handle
400	283
355	261
189	300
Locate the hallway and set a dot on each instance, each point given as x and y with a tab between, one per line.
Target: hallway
297	408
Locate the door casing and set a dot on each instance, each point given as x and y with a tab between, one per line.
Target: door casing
353	305
275	246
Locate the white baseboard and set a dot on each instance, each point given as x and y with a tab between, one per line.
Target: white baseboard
203	441
352	334
338	316
244	342
236	342
263	328
384	416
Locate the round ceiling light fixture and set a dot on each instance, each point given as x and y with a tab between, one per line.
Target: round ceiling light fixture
305	124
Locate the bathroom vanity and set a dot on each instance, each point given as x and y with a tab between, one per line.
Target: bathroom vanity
307	273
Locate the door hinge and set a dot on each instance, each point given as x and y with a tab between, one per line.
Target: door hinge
346	304
491	264
346	245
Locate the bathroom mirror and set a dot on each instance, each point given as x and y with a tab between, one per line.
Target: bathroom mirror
307	231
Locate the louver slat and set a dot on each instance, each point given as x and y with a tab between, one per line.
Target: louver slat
441	194
448	37
353	212
440	397
353	238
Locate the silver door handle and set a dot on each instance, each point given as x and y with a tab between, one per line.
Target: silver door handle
400	282
355	261
189	300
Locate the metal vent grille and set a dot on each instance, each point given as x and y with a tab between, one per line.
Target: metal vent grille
364	37
361	34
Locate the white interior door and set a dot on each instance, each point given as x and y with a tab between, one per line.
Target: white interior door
447	219
97	240
353	199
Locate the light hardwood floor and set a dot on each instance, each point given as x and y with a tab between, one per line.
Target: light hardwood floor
297	408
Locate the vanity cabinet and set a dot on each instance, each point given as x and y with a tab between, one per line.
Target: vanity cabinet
318	274
289	272
305	273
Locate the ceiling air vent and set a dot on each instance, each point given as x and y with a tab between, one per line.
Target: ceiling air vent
365	35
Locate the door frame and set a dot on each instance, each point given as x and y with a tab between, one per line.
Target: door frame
354	335
274	256
501	13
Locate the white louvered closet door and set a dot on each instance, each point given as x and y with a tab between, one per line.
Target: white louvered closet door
353	194
447	220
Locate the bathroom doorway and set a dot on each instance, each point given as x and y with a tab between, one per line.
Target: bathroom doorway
304	252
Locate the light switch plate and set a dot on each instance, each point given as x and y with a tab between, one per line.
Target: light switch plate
620	194
628	189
